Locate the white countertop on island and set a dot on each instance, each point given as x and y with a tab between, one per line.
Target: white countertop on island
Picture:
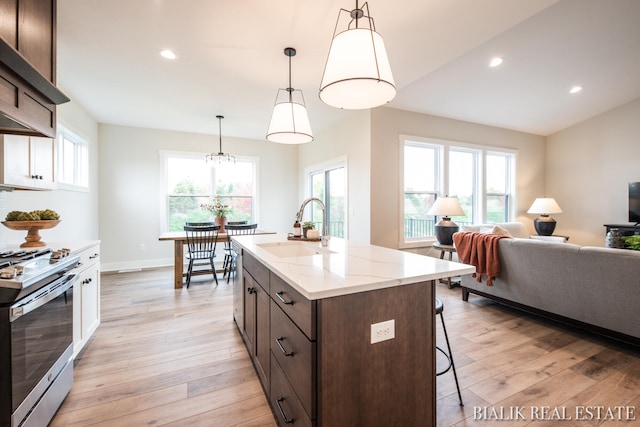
344	267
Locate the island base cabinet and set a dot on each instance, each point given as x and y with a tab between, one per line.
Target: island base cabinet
256	325
322	368
383	384
286	406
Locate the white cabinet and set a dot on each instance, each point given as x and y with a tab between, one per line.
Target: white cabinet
27	162
86	297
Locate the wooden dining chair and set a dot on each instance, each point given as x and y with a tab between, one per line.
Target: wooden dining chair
201	241
228	263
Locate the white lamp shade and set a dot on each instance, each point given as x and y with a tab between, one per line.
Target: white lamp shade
357	74
446	206
289	124
544	206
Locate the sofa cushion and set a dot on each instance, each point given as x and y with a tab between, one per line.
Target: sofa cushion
514	229
496	229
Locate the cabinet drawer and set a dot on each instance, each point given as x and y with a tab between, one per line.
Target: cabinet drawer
256	269
296	356
89	256
298	308
286	406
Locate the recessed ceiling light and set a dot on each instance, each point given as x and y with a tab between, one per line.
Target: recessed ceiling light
495	62
575	89
168	54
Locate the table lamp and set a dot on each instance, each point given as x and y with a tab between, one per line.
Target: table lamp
446	207
544	206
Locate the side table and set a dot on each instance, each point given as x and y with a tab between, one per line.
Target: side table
449	249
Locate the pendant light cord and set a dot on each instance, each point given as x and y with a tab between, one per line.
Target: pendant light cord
290	88
220	133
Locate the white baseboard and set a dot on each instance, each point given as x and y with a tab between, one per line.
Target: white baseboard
135	265
128	266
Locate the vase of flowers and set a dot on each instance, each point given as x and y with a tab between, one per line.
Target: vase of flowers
219	210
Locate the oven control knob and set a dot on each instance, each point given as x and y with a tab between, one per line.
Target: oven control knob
8	273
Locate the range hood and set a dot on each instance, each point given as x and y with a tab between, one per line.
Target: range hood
27	99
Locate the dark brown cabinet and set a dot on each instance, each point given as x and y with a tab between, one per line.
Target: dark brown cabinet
28	93
256	315
318	366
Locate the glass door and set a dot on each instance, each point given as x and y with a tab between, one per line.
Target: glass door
329	185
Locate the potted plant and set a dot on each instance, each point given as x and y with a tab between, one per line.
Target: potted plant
306	226
219	210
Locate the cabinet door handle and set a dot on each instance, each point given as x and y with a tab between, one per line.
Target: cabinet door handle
282	414
279	295
285	352
251	290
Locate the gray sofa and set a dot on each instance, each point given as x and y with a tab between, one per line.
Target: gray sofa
594	288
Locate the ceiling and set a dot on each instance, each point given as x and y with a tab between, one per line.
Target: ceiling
231	60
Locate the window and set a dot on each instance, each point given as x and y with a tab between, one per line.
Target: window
421	187
191	182
329	185
463	182
73	160
498	191
482	179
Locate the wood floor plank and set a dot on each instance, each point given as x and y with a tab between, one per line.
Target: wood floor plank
175	357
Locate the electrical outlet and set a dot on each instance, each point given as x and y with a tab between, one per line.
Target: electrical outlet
142	247
383	331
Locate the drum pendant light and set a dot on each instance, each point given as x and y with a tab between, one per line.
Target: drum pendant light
357	74
289	121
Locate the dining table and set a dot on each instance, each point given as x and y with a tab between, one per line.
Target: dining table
179	239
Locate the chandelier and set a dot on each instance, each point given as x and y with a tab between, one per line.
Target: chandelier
220	157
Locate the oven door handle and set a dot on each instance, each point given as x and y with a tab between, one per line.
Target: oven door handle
57	288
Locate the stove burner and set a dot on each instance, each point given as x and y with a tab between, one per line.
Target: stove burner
9	258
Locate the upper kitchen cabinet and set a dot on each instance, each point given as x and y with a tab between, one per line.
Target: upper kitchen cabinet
28	95
28	27
27	162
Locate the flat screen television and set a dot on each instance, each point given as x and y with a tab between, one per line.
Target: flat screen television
634	202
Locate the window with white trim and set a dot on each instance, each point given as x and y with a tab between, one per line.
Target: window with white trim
73	160
499	193
421	183
482	178
191	182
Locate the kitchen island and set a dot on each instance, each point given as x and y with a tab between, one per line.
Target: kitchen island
341	335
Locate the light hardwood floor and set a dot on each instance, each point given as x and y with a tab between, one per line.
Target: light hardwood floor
175	358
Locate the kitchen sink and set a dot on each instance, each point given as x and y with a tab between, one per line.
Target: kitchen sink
294	249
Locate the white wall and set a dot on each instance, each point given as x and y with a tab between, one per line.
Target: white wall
348	138
131	183
589	166
388	124
78	210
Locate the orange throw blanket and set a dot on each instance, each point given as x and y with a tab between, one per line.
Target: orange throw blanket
481	251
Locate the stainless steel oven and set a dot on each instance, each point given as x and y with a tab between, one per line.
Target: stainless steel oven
36	342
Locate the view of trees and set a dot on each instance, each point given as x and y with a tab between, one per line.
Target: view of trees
190	187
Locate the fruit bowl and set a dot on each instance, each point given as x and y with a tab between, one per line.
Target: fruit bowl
33	230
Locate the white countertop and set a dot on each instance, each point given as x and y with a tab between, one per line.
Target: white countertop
344	267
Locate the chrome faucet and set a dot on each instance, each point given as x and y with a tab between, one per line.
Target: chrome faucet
324	239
